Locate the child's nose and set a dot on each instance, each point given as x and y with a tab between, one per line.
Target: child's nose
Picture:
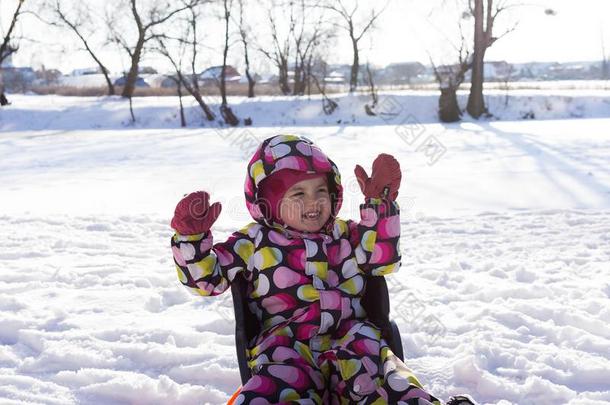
312	203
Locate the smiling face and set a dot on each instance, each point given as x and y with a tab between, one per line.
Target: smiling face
306	205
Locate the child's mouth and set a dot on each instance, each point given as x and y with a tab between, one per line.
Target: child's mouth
311	216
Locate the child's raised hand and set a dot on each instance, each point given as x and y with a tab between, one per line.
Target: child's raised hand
194	215
386	173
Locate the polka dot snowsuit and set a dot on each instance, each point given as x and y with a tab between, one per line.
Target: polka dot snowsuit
316	345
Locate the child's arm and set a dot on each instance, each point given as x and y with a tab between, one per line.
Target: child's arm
205	268
208	269
376	238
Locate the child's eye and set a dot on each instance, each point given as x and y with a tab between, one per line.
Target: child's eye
299	194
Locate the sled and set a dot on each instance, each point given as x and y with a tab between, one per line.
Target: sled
376	302
234	397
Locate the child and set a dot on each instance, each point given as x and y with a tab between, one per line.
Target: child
307	271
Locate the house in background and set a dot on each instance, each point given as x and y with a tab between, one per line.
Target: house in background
338	74
212	75
47	77
401	73
140	82
17	79
162	81
533	70
86	71
336	77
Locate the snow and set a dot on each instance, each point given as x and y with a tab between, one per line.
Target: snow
506	245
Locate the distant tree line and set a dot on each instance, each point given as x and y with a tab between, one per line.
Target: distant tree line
293	36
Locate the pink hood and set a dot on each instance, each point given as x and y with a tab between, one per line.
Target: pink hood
289	152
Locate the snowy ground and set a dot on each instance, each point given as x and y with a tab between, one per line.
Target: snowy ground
506	238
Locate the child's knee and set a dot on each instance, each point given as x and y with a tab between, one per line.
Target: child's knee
281	383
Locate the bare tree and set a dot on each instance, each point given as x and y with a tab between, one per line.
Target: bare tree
370	108
244	34
157	14
179	77
298	27
448	72
83	27
225	110
186	80
308	30
449	78
9	46
356	30
328	105
189	40
485	13
279	53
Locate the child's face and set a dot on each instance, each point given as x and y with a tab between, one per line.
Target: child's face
306	205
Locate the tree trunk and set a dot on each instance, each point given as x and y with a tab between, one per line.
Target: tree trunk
226	112
283	77
6	49
132	76
370	108
182	118
104	71
133	117
476	102
448	107
308	76
108	82
206	109
194	91
299	77
223	85
353	83
296	74
251	82
296	86
223	88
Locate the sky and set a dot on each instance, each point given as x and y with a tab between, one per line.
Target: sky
408	30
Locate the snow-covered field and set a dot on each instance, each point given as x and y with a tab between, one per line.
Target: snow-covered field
506	238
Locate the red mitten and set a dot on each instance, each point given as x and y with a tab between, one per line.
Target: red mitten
386	174
194	215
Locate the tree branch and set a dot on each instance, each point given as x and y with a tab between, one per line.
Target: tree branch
6	48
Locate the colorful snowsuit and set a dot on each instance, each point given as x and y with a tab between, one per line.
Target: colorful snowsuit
316	345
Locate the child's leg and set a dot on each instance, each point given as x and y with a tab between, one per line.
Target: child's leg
367	372
280	383
283	371
399	383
